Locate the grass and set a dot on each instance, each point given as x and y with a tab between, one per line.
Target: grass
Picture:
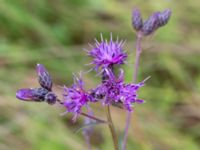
54	34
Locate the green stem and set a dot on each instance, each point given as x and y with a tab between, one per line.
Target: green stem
112	128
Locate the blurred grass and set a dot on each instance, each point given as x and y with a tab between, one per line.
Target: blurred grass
55	32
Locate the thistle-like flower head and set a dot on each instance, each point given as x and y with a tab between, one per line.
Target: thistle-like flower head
75	97
107	53
114	91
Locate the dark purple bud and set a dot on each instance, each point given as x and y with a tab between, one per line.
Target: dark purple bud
36	94
151	24
50	98
164	17
44	77
25	94
137	22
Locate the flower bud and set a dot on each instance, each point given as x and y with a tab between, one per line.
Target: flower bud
44	77
164	17
151	24
36	94
137	22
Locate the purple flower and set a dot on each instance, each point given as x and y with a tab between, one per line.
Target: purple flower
128	95
75	97
115	91
106	54
42	93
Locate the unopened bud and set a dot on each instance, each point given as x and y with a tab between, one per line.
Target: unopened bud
44	77
151	24
164	17
137	22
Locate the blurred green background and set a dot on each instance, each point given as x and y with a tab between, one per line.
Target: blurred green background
54	32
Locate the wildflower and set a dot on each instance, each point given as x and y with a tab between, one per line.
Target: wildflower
43	93
114	91
106	54
75	97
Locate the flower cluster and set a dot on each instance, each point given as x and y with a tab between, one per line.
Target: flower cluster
112	90
105	56
43	93
156	20
115	91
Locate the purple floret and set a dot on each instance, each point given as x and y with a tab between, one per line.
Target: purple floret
114	91
106	54
128	95
75	97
